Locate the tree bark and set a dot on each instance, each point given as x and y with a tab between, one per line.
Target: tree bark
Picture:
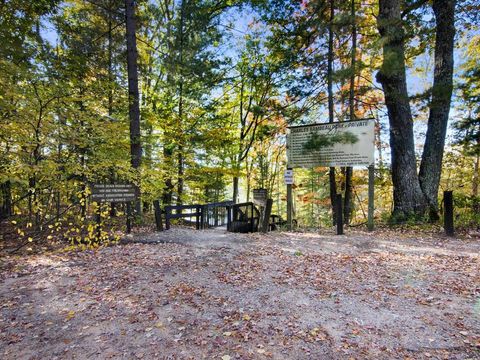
476	203
6	201
431	165
407	194
331	171
347	209
475	181
180	172
113	209
235	189
133	94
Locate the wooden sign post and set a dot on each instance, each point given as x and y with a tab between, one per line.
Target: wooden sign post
288	177
448	214
359	151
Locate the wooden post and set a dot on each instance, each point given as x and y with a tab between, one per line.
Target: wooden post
289	207
339	214
371	196
198	211
202	217
448	214
98	218
129	217
229	218
266	215
167	217
158	215
252	220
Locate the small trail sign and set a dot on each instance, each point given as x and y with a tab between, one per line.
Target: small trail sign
113	192
288	177
260	197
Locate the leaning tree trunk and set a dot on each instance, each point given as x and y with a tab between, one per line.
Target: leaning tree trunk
133	95
431	165
407	195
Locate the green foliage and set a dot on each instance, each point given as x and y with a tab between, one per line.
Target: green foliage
468	125
216	97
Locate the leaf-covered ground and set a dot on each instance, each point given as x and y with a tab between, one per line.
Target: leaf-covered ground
191	295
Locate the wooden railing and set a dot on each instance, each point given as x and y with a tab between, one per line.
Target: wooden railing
242	217
215	214
195	212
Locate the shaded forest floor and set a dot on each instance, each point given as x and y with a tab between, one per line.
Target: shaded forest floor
209	294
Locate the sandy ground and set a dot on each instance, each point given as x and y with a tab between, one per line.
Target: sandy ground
185	294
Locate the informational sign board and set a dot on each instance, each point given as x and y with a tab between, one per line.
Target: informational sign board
260	197
349	143
113	192
288	177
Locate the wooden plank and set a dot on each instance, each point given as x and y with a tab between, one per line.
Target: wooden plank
220	204
181	207
183	215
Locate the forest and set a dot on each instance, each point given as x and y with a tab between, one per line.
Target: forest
190	101
164	192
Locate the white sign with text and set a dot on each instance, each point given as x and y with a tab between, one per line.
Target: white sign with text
349	143
288	177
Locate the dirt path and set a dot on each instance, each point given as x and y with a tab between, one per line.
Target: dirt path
183	294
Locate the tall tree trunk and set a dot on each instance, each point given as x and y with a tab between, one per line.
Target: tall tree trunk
407	195
249	177
476	176
113	211
347	209
431	165
476	169
180	153
180	110
6	201
331	171
133	96
235	189
5	188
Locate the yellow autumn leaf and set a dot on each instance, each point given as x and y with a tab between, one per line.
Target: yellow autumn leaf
70	314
